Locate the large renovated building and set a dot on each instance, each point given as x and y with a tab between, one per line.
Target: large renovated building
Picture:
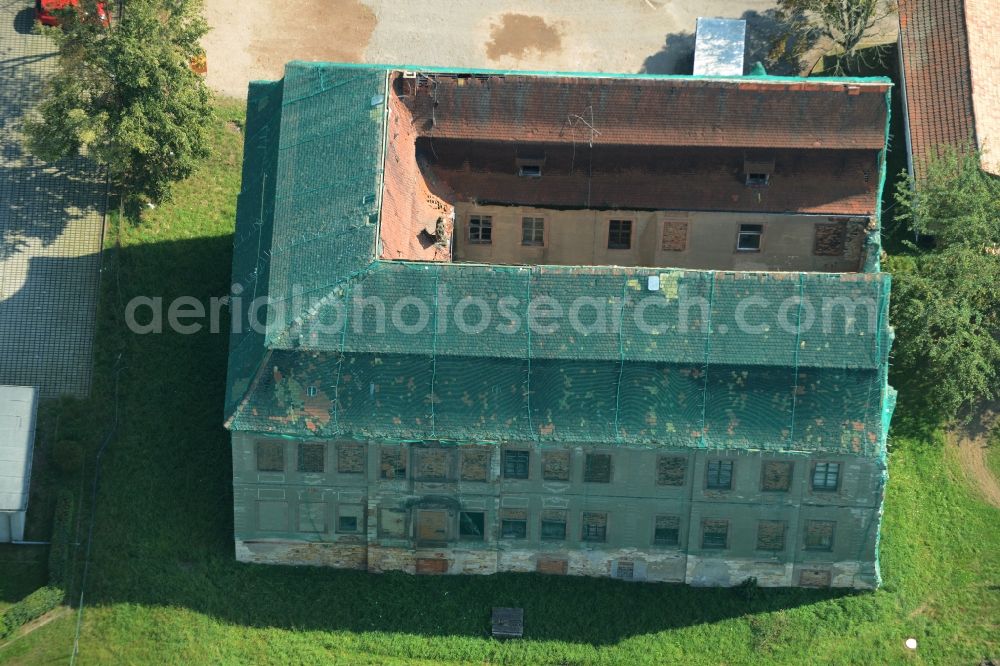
603	325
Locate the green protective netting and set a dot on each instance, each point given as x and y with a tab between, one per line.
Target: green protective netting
307	218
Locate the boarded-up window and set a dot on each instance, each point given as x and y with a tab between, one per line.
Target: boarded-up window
814	578
550	566
392	463
675	233
514	524
597	468
432	464
432	526
515	464
554	525
312	517
312	457
819	534
270	457
771	535
555	465
471	525
392	523
671	470
719	475
350	458
595	526
776	475
476	463
272	516
429	565
715	534
667	530
830	239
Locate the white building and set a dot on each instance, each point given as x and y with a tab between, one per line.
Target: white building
18	405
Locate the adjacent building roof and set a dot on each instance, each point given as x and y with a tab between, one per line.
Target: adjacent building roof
329	160
17	438
951	72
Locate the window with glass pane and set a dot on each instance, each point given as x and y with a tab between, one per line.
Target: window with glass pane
532	231
667	531
554	525
748	239
595	526
481	229
719	475
515	464
826	476
514	524
619	234
471	525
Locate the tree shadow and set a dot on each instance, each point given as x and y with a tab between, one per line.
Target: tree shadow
24	21
764	31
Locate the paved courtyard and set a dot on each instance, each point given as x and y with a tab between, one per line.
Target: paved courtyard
51	218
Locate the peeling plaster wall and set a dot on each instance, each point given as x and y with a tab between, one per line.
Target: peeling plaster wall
382	515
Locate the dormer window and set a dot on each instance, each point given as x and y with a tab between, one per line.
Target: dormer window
530	167
758	170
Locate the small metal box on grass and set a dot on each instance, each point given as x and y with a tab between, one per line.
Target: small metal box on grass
508	622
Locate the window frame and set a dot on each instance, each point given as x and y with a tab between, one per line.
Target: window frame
569	465
763	475
820	548
676	543
299	457
357	512
468	537
279	446
704	533
584	527
543	519
749	230
826	474
403	461
527	464
683	459
537	228
587	470
754	179
784	536
615	236
479	223
721	462
506	519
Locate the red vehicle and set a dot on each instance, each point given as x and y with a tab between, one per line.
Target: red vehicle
45	11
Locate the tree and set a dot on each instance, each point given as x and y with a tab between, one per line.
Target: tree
946	300
126	95
845	23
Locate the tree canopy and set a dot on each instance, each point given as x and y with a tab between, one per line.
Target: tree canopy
126	95
946	300
845	23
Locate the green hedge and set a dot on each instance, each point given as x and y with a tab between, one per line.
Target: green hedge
36	604
60	561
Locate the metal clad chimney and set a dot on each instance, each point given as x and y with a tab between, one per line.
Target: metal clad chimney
719	47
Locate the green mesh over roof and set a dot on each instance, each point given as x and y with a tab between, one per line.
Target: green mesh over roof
806	378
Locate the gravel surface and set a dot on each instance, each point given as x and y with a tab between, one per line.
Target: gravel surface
569	35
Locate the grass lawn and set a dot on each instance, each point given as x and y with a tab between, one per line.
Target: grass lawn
164	587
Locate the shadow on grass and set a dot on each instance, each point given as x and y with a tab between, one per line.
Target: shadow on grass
163	534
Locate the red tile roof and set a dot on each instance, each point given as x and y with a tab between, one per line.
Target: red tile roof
952	85
663	112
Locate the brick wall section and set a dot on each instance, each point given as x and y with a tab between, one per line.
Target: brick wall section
982	18
408	206
936	67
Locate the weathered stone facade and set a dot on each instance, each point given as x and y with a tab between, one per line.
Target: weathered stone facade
695	516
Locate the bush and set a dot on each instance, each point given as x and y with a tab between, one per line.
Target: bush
33	606
60	561
67	456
